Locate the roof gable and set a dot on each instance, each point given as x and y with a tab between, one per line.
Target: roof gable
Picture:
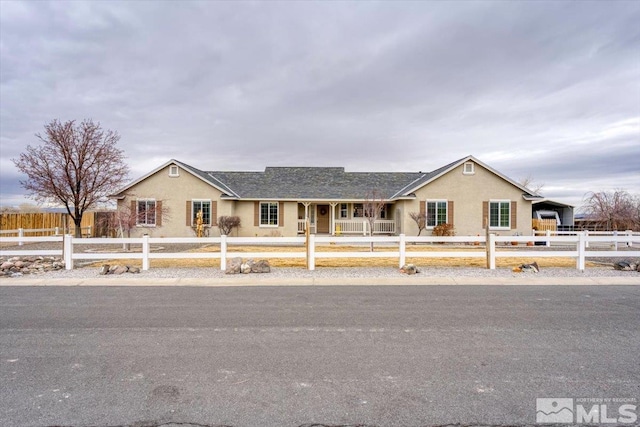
203	176
432	176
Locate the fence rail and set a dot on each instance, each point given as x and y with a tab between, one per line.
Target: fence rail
572	246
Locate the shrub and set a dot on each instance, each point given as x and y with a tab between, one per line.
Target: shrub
444	230
226	224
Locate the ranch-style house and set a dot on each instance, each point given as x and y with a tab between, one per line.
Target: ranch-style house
279	200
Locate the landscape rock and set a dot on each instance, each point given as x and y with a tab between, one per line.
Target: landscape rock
627	266
120	269
261	266
133	270
245	268
104	269
409	269
233	265
19	266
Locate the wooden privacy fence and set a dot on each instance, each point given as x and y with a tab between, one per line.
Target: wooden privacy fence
573	246
53	223
33	224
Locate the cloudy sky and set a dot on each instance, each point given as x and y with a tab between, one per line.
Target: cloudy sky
547	89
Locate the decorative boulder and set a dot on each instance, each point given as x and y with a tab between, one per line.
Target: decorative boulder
120	269
245	268
104	269
622	266
133	270
233	265
530	268
409	269
261	266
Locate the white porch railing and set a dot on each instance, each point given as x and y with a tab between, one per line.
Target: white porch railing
361	226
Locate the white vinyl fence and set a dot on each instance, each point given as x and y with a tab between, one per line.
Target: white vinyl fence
574	246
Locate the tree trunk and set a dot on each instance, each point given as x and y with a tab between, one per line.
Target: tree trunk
78	221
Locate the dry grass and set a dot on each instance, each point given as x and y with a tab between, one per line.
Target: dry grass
358	262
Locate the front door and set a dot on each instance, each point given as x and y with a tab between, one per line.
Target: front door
322	224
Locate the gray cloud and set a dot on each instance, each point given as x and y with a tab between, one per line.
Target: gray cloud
547	89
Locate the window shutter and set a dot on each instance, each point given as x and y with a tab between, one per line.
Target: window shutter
214	213
485	214
450	212
423	207
281	214
514	215
159	213
256	213
188	213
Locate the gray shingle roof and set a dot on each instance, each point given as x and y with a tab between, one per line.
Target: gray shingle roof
313	183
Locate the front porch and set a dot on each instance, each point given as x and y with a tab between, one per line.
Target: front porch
343	218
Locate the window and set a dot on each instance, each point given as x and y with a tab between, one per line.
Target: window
358	210
436	212
173	170
500	214
383	212
268	213
205	207
146	213
344	211
469	168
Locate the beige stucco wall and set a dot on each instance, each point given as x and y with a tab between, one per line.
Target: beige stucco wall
174	193
467	193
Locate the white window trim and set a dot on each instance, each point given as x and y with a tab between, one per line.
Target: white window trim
348	212
426	209
499	228
171	171
194	212
472	170
155	213
277	224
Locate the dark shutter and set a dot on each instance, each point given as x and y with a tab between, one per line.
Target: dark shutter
450	212
485	215
214	213
189	213
423	207
159	213
514	215
281	214
256	213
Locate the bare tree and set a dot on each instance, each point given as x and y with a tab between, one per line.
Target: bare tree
77	165
372	207
615	210
226	224
530	183
421	220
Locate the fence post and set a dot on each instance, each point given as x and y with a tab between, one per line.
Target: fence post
223	252
312	252
403	252
364	228
145	252
491	251
57	231
615	240
21	235
586	234
581	251
68	251
630	236
548	238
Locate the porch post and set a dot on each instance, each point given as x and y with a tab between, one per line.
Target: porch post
307	220
332	221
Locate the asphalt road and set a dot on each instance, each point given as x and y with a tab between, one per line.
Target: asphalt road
291	356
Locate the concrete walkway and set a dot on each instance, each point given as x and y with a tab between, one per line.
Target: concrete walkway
258	280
